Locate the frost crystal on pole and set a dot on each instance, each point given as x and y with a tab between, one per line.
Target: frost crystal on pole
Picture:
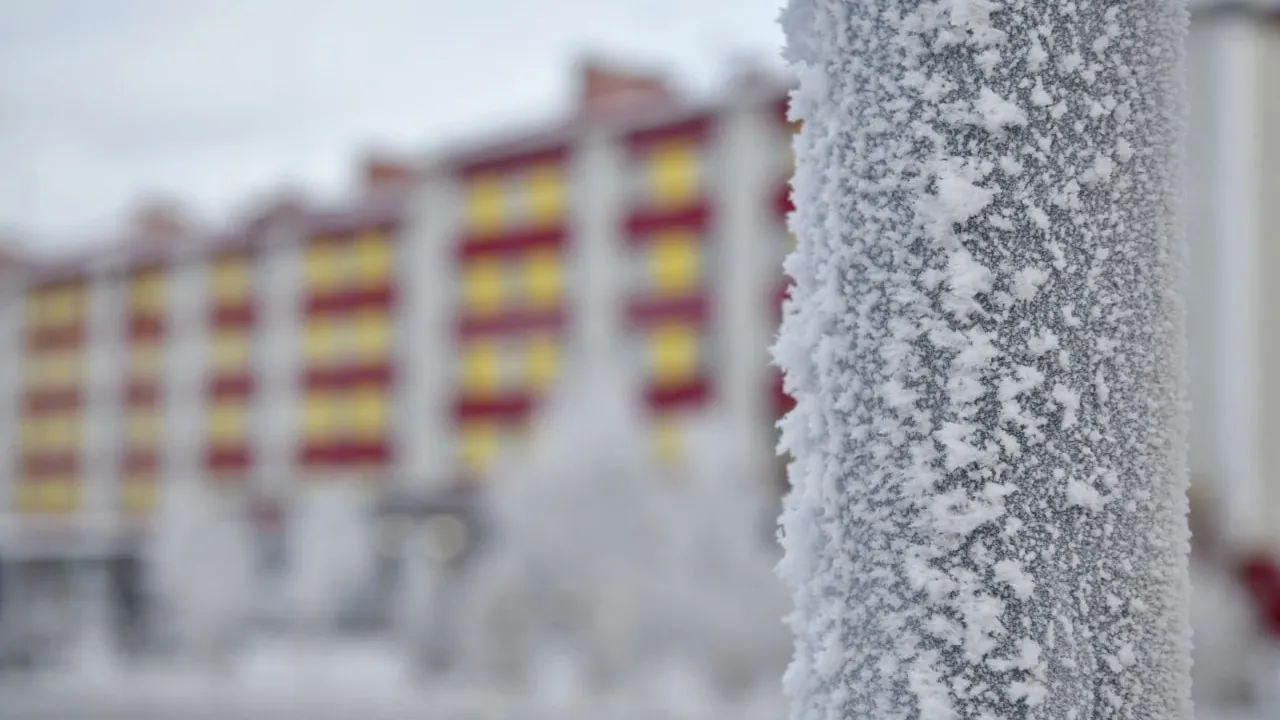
984	340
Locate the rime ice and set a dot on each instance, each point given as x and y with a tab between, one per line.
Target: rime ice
987	515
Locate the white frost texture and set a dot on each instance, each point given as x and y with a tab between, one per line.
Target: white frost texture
987	518
617	576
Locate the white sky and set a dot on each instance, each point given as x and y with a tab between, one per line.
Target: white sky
215	102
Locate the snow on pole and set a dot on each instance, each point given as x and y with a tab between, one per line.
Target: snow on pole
985	342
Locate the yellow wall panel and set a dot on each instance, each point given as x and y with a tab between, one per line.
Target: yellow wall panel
322	341
483	287
146	358
62	305
481	368
53	431
674	262
541	361
668	442
543	278
147	291
370	335
54	369
368	409
46	496
371	259
229	350
673	171
673	353
230	280
485	205
477	445
320	416
323	267
143	427
225	421
546	194
139	494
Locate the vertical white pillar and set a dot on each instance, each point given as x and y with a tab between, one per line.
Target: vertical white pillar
744	280
1237	234
186	354
276	358
105	357
426	348
12	327
596	254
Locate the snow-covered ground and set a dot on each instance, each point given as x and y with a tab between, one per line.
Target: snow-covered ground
314	679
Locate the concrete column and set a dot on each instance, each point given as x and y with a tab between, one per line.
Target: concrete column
1238	236
12	327
186	357
596	258
104	385
276	358
744	278
425	350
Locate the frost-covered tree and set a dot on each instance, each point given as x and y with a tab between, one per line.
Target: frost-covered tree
331	552
200	562
987	514
638	576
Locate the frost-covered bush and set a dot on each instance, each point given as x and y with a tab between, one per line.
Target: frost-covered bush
331	552
603	558
201	564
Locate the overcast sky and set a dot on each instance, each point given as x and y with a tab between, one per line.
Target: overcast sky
216	101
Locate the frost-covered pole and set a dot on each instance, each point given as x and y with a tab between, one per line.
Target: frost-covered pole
985	342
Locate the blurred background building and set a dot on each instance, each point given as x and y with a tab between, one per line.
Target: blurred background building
401	344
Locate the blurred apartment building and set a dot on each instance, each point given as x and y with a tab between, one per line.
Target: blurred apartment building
402	342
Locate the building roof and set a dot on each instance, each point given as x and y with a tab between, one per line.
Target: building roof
1267	6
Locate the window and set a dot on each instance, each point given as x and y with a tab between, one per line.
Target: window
543	279
483	287
481	368
674	262
371	259
672	177
546	195
541	360
673	353
485	205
